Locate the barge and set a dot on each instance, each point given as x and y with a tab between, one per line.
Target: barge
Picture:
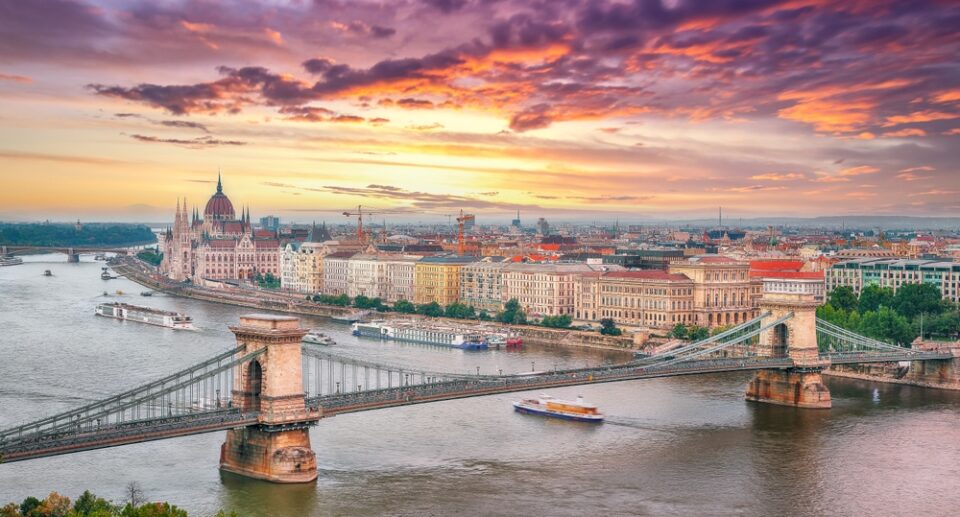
148	315
419	332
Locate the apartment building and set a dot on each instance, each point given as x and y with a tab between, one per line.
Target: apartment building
893	273
481	284
722	291
437	279
546	289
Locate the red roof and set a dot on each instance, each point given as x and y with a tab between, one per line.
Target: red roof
653	274
776	265
222	243
802	275
267	243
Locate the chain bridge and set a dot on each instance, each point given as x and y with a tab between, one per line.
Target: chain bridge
268	390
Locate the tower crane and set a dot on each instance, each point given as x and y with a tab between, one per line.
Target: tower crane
360	212
461	219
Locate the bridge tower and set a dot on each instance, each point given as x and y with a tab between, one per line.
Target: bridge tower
72	256
802	385
277	448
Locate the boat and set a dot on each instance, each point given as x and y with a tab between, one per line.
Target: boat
546	405
504	340
352	317
47	272
105	274
419	332
146	293
148	315
119	291
10	261
99	256
318	338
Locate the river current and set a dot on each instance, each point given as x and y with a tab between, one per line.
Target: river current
679	446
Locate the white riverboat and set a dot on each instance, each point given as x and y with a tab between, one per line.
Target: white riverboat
10	261
318	338
420	332
148	315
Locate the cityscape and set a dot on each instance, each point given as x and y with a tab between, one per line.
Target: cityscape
433	257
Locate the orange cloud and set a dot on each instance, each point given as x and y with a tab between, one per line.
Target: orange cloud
905	132
947	96
919	116
778	176
859	170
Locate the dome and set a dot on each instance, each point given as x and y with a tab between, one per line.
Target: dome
219	208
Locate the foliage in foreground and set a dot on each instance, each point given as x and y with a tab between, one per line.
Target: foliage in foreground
89	505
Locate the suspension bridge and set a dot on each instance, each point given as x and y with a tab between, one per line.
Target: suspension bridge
269	389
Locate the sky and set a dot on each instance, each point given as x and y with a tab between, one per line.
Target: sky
566	109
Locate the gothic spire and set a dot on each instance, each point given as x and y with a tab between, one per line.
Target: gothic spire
219	183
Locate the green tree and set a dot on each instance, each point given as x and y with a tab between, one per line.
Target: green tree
29	504
886	325
512	313
10	510
872	297
560	321
484	316
609	328
152	510
679	331
843	298
460	310
914	299
432	309
404	307
698	333
89	505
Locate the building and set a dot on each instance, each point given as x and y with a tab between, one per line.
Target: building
270	222
437	279
893	273
655	299
660	258
545	289
399	272
543	227
481	284
722	289
301	264
218	245
336	272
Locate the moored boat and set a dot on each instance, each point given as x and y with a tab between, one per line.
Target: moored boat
318	338
47	272
146	293
10	261
148	315
420	332
546	405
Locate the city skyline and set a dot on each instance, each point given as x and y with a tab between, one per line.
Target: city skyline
581	111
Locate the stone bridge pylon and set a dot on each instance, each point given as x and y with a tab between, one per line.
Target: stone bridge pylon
802	385
277	448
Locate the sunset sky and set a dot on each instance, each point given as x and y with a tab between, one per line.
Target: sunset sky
572	110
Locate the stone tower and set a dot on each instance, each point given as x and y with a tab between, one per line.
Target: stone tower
796	338
277	448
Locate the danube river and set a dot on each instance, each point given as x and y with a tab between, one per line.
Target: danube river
682	446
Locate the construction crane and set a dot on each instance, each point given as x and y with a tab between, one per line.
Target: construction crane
463	218
360	212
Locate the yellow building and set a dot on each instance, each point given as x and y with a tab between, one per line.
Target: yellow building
437	279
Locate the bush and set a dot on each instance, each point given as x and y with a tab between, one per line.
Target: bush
609	328
561	322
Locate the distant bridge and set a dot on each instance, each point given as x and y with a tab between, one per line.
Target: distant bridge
72	252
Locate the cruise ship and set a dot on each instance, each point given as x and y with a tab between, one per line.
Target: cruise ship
546	405
420	332
10	261
151	316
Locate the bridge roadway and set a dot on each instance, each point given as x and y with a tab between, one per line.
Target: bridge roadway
97	437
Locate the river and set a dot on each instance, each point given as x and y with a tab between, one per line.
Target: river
680	446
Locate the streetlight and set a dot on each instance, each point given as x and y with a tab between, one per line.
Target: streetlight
338	387
478	370
532	366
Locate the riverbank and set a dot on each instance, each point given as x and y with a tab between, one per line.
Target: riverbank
145	275
888	374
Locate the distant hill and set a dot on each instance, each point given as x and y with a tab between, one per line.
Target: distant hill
864	222
92	234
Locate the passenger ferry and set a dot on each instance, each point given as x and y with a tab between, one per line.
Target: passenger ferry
10	261
546	405
420	332
318	338
151	316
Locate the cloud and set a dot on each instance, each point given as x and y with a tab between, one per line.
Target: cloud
914	173
859	170
750	188
195	143
426	127
778	176
15	78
